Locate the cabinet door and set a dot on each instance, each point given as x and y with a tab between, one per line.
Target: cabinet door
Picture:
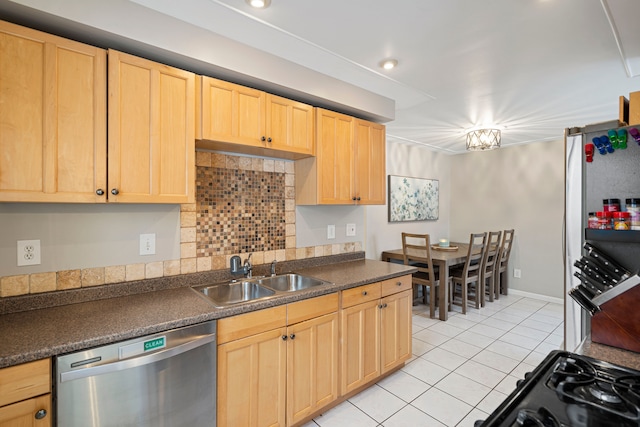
312	366
369	163
290	125
23	414
232	113
151	131
251	380
360	345
334	150
395	330
52	118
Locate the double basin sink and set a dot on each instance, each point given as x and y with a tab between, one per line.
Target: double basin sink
245	290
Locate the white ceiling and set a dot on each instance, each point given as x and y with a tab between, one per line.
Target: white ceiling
530	67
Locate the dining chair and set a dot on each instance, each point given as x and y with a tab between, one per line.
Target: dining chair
469	275
502	276
489	266
416	250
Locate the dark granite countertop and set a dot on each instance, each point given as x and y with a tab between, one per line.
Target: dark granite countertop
45	332
609	354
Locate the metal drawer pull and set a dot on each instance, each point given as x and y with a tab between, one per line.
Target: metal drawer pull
292	336
41	414
364	293
284	338
399	283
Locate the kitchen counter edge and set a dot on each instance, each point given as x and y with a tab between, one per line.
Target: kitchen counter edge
37	334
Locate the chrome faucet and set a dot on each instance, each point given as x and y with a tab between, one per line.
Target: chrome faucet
247	268
273	267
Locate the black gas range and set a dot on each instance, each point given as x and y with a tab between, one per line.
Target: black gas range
567	389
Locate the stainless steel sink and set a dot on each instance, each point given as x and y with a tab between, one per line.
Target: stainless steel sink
236	292
226	294
290	282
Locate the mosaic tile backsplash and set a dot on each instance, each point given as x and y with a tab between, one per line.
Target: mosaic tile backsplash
241	205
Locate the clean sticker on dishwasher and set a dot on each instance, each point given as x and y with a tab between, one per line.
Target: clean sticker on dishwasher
135	349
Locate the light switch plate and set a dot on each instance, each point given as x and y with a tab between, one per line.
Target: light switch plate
351	229
331	231
148	244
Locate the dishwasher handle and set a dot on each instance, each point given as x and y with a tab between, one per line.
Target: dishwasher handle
137	361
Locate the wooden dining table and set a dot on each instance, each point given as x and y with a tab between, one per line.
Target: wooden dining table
443	259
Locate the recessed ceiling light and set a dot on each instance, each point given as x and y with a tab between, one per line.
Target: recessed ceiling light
259	4
388	64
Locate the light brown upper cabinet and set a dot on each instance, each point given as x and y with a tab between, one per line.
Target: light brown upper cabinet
349	167
53	124
370	166
151	131
52	118
236	118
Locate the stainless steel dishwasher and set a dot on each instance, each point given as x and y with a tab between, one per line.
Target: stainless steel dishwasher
162	380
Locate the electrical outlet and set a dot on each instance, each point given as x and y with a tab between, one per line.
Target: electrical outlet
28	252
351	229
331	231
147	244
517	273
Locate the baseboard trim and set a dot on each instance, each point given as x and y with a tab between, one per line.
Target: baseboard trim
536	296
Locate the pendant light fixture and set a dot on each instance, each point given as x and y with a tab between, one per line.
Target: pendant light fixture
483	139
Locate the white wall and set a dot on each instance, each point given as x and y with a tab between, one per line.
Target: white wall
520	187
74	236
417	162
312	221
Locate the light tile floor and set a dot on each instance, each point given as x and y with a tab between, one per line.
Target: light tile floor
461	369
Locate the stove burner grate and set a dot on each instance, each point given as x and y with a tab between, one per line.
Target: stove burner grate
576	381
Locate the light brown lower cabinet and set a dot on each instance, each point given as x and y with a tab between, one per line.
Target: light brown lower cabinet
25	395
375	331
278	366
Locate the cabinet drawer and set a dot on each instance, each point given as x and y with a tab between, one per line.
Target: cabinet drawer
310	308
244	325
353	296
23	413
25	381
397	284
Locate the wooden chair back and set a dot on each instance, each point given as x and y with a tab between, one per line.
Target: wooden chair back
505	249
472	267
501	277
416	250
490	262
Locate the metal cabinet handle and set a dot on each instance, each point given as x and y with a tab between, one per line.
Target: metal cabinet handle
269	139
100	192
358	198
263	139
399	283
292	336
364	293
284	338
41	414
115	192
353	198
